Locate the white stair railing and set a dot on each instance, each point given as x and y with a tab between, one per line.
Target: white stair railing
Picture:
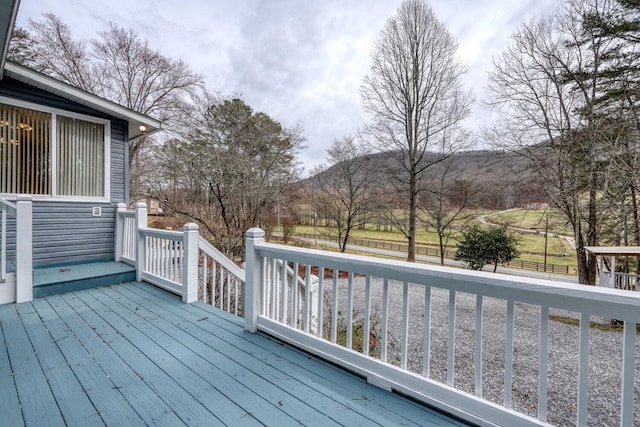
6	209
220	280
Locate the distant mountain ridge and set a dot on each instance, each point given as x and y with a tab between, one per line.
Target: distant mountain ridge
504	178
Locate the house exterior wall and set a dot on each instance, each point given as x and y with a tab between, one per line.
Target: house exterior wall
67	231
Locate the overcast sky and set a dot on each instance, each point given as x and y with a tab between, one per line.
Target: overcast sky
301	62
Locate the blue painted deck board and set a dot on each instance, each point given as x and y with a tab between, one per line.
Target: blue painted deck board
307	406
133	354
336	383
69	393
9	405
69	273
59	279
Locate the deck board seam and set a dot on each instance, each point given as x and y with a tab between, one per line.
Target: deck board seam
43	362
408	404
263	372
91	394
179	338
34	371
112	349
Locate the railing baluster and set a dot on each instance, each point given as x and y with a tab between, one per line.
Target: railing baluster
426	339
350	311
478	345
222	279
285	298
385	317
205	262
405	325
543	374
228	291
320	301
583	370
628	354
508	355
451	340
334	307
3	248
367	317
235	306
295	303
307	297
273	288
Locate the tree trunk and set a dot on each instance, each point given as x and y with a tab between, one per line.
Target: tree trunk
411	250
636	222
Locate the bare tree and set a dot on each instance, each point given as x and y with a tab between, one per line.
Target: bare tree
414	96
119	66
445	205
546	87
345	190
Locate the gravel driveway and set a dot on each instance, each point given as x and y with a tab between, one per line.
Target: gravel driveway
605	352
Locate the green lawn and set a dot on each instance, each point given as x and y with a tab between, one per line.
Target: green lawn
532	219
531	245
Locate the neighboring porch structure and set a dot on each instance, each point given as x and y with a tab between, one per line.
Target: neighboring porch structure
617	280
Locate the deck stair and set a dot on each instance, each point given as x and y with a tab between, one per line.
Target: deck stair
52	280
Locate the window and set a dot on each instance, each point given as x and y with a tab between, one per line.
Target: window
45	153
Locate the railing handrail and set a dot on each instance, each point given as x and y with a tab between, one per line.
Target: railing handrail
163	234
221	258
598	301
7	204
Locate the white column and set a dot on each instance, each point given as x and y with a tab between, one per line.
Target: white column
190	263
117	250
24	249
253	278
612	278
141	223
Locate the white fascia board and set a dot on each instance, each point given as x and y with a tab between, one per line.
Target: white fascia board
10	10
49	84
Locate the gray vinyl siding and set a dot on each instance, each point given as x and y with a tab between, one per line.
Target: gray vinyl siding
66	232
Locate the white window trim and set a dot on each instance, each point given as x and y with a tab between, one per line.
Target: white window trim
54	113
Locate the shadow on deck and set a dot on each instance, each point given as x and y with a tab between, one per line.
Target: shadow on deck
133	354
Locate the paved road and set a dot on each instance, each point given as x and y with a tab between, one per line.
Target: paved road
451	263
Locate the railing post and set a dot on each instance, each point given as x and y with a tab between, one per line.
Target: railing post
117	254
141	222
253	277
190	263
24	249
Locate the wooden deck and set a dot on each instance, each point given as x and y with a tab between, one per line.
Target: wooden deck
133	354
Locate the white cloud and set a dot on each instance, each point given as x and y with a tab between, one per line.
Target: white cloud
300	62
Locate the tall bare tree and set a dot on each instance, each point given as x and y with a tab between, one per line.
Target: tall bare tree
345	189
414	96
548	86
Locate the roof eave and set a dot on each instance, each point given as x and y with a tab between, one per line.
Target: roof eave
134	119
5	33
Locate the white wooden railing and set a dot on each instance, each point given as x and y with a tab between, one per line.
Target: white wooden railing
171	260
22	211
626	281
165	258
220	280
395	290
6	209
